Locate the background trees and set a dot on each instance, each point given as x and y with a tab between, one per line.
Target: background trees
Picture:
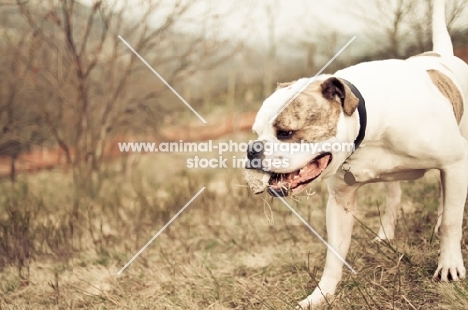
69	80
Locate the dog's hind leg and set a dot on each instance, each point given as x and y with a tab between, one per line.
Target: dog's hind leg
454	185
389	219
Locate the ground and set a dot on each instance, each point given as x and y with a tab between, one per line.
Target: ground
230	249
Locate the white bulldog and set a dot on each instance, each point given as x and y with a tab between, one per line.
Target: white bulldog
405	117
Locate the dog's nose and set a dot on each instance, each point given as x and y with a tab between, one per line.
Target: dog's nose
255	149
254	155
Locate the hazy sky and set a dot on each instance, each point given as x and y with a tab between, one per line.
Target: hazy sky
294	20
291	16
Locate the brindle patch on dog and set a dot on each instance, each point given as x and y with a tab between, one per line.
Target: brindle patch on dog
311	117
449	90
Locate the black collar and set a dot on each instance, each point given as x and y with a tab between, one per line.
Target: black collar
362	114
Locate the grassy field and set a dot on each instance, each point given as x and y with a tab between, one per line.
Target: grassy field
230	249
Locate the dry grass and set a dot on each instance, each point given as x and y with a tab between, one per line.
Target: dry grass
228	250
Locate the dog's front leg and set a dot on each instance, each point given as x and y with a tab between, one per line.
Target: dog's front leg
341	208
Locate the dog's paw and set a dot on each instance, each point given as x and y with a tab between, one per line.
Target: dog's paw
386	233
312	301
450	268
306	304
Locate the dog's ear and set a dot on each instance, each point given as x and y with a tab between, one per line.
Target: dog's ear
333	88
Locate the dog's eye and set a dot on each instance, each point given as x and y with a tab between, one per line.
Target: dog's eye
284	134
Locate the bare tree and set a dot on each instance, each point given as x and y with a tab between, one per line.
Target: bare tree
92	85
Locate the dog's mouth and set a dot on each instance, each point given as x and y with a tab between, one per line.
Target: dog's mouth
296	181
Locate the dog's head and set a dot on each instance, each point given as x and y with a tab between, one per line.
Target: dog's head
300	142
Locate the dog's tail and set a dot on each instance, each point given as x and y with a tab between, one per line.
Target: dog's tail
442	43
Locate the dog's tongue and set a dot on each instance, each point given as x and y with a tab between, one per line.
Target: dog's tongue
308	172
314	168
